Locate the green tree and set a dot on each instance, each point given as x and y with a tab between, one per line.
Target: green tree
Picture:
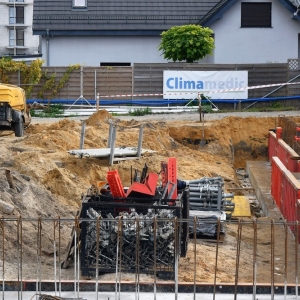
187	42
30	73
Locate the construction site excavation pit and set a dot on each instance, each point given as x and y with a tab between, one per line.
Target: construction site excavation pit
49	183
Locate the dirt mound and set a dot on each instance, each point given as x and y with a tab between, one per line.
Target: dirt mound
56	180
43	154
101	116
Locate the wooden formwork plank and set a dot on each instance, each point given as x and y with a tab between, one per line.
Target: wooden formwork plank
241	208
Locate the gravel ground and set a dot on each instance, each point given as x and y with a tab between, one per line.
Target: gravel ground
190	116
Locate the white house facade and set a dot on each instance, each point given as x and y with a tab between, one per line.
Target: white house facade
93	33
100	50
275	44
17	39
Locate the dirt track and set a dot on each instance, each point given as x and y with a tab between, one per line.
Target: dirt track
50	182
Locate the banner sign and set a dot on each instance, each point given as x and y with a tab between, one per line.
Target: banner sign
187	84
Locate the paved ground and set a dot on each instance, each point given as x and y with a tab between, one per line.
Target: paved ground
145	296
191	116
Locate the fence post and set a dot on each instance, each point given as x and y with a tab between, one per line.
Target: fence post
132	82
96	87
82	135
97	101
278	133
19	77
240	105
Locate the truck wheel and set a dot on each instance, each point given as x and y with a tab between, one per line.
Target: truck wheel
19	128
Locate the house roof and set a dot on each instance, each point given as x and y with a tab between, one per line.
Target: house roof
127	17
114	16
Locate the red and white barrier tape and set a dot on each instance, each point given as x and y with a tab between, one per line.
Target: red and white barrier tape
206	92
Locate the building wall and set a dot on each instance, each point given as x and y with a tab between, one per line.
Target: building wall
91	51
233	44
256	45
31	42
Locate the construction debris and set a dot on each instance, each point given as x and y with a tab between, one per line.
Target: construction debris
132	239
208	193
112	152
207	224
141	228
134	228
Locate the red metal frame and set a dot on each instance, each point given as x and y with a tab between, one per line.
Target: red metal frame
115	184
172	176
285	190
148	187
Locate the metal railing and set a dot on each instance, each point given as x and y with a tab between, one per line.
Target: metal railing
140	253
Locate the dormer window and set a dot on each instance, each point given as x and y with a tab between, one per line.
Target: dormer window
79	3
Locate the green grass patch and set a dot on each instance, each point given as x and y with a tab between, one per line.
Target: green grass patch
52	111
140	111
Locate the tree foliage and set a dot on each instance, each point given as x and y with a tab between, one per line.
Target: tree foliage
31	74
51	84
187	42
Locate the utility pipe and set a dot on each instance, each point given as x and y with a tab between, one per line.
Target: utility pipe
47	47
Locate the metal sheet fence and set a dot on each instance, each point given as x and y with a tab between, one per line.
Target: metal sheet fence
272	145
289	132
282	144
256	255
285	190
291	192
278	148
285	153
276	181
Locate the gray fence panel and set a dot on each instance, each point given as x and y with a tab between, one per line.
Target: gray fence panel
112	81
294	75
108	81
148	79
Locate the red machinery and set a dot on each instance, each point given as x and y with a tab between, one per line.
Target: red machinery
147	187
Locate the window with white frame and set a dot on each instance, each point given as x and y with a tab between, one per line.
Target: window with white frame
16	37
16	0
79	3
16	15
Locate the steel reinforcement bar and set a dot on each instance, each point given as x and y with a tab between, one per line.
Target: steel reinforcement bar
142	254
290	132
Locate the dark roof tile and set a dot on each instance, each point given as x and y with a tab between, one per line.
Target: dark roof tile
118	15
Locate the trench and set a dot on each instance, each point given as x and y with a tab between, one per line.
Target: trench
236	141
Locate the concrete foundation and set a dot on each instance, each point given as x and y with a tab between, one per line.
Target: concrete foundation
259	173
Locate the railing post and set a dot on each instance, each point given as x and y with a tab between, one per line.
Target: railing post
278	132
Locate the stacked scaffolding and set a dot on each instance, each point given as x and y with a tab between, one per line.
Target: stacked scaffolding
207	193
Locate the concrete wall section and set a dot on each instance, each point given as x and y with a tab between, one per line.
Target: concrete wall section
260	177
260	45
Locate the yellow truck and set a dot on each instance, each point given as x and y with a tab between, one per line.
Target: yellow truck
14	114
